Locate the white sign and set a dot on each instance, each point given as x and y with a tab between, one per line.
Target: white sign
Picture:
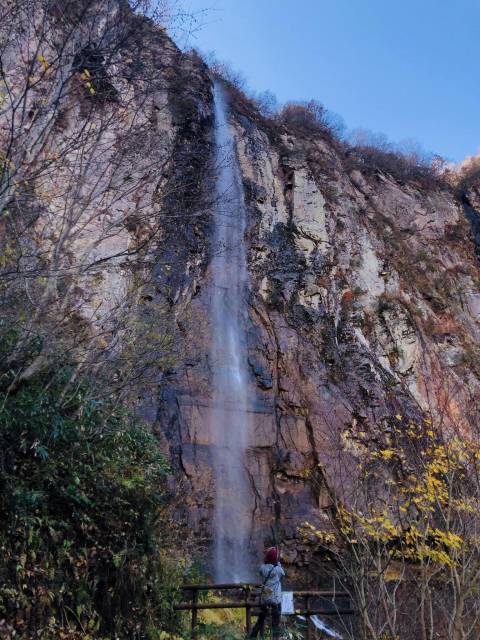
287	603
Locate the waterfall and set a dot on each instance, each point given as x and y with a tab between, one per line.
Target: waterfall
229	416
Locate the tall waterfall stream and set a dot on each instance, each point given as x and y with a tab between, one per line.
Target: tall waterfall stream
229	418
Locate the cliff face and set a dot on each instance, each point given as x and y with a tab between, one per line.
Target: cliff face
102	137
364	305
364	300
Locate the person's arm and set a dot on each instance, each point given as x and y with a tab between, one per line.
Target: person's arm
281	572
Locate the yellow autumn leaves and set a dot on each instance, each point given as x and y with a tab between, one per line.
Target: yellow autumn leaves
87	80
417	497
85	76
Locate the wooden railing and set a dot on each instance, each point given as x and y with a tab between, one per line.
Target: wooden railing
249	601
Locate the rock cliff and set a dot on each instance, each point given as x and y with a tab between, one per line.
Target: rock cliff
364	305
365	290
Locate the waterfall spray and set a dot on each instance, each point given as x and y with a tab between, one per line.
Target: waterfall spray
229	418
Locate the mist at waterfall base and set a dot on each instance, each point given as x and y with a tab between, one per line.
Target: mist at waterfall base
229	416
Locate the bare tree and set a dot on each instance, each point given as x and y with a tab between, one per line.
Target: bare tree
404	529
86	167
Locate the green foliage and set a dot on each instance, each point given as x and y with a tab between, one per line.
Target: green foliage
235	631
86	541
211	631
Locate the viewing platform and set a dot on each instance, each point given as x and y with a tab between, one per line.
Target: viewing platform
306	603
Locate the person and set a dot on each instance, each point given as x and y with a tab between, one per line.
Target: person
270	594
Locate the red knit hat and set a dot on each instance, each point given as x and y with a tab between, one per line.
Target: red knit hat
271	555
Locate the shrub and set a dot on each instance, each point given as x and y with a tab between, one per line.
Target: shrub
86	539
267	103
229	75
311	117
364	150
407	162
468	174
402	167
258	107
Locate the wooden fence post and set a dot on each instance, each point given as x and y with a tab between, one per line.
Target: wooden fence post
248	611
194	613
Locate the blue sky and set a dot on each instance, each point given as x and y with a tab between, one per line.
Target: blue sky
409	69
